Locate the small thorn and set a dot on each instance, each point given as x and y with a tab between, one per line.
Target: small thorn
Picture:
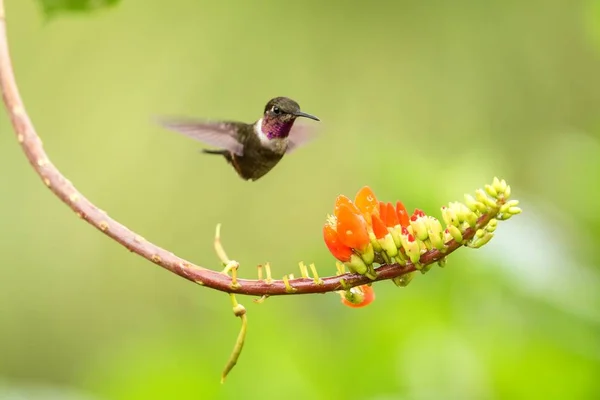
341	268
269	279
316	278
288	287
261	299
344	284
259	268
303	270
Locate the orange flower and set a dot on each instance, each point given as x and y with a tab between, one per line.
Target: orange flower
339	250
343	200
383	211
352	228
379	228
391	219
402	214
362	295
366	202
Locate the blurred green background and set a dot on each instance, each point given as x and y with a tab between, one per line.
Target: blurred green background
421	100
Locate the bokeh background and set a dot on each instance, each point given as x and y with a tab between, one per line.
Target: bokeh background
421	100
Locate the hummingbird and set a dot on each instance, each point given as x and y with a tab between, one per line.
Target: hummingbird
252	149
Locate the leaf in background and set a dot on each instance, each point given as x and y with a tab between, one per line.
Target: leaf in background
52	7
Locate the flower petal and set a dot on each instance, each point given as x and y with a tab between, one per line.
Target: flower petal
368	295
352	228
391	216
339	250
383	211
341	199
379	228
366	201
402	214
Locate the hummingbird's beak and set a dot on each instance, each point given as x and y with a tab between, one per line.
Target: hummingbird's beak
305	115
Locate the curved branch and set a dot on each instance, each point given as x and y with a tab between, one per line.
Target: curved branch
86	210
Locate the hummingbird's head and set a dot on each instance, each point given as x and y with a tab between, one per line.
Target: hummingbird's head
280	114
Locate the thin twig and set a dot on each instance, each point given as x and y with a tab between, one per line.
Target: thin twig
86	210
238	311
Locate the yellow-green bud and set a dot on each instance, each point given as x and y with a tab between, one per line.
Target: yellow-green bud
395	232
435	230
499	185
368	255
455	232
425	268
482	197
471	219
411	248
404	280
491	190
374	242
419	227
491	226
471	202
449	216
514	210
478	242
356	265
388	245
509	204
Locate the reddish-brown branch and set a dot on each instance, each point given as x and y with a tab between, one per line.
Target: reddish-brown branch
86	210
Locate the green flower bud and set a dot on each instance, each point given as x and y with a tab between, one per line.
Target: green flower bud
419	227
404	280
356	265
449	216
388	245
395	232
374	242
479	242
514	210
491	226
491	190
368	255
435	231
471	202
471	218
455	232
499	185
508	204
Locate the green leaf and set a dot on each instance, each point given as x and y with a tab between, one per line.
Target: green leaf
52	7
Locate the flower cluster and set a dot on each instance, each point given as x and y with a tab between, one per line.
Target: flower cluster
366	231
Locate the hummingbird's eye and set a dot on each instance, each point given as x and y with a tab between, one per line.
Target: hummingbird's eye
276	110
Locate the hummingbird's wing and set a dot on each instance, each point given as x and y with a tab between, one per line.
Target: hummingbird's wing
300	135
214	133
